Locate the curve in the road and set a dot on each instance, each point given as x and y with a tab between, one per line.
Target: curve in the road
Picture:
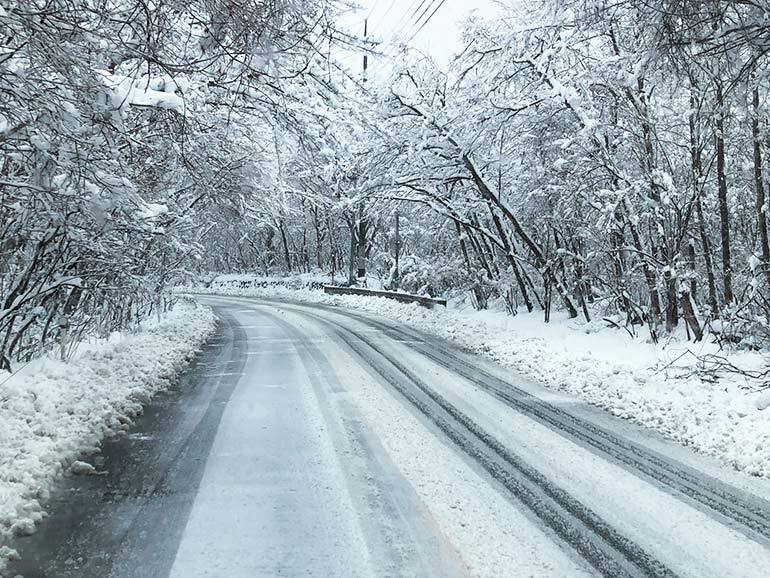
611	553
745	512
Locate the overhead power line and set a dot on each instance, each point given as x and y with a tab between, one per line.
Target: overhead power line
440	4
371	10
404	19
416	10
436	5
425	10
416	23
384	15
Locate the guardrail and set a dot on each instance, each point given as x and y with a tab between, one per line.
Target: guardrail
428	302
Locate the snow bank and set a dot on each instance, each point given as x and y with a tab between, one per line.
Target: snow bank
312	280
51	412
239	281
664	387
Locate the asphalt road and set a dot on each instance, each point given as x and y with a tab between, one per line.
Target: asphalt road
310	441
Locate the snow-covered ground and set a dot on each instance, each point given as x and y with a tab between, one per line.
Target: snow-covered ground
663	386
312	279
52	411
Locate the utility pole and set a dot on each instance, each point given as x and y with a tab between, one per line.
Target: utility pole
361	242
361	222
398	250
366	55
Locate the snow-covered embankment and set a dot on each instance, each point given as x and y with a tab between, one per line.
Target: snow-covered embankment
51	412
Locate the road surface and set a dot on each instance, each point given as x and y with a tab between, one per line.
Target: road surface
311	441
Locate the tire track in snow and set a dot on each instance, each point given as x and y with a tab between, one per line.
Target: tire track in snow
744	511
611	553
401	545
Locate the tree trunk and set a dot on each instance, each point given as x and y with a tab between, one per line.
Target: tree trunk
463	248
547	283
697	171
649	275
318	240
688	313
540	260
509	255
335	251
362	226
691	269
582	286
352	261
476	288
724	215
672	308
285	243
488	252
478	251
759	184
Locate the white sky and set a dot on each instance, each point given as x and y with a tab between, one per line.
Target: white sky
440	37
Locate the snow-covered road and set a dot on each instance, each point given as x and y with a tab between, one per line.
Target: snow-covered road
315	441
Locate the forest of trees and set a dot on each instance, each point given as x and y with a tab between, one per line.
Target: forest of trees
128	130
610	159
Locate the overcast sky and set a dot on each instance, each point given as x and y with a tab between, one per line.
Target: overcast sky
439	37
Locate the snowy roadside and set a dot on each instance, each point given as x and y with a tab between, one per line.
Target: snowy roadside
51	412
661	386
